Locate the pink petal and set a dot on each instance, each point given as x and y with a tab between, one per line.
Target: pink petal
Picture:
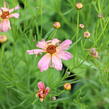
4	9
16	8
55	41
41	44
41	85
65	45
56	62
35	51
44	62
0	12
65	55
15	15
5	25
47	90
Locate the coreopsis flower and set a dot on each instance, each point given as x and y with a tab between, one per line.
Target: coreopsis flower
81	26
5	15
86	34
57	25
55	51
79	5
3	38
67	86
43	91
94	53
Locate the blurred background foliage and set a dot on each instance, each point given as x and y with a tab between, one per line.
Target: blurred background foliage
19	74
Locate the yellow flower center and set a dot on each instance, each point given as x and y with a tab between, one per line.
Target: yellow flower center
51	49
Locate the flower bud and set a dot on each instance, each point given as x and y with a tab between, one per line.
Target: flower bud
53	98
94	53
81	26
86	34
57	25
67	86
3	38
79	5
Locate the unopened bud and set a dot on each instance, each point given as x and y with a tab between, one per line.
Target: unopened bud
3	39
94	53
86	34
67	86
57	25
79	5
81	26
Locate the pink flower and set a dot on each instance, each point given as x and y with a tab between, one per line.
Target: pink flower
43	91
55	51
5	14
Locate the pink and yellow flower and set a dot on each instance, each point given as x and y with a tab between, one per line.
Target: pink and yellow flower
5	14
55	52
43	91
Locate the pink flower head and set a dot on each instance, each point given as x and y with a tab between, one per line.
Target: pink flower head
5	14
55	51
43	91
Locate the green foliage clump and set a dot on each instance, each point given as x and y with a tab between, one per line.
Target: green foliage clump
19	73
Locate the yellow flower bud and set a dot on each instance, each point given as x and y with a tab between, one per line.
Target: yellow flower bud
3	38
57	25
67	86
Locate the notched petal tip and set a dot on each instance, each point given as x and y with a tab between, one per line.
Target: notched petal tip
15	15
65	44
17	7
41	44
55	41
29	52
65	55
68	41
